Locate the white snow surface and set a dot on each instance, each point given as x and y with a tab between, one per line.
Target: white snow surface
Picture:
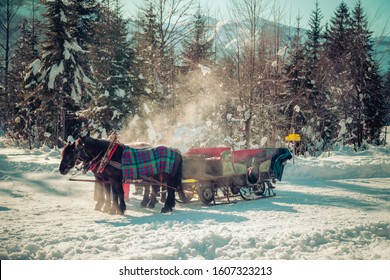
336	206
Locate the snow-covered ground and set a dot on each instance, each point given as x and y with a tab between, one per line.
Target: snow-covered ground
336	206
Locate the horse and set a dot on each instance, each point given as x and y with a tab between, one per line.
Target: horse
91	151
150	192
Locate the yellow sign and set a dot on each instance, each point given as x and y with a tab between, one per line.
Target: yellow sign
293	137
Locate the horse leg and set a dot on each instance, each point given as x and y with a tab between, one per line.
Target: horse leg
114	206
145	200
98	196
121	196
107	194
170	202
162	190
173	182
163	194
118	203
153	197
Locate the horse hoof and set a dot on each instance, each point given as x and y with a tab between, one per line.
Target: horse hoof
166	209
98	206
144	204
151	205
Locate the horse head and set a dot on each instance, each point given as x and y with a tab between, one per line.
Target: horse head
69	158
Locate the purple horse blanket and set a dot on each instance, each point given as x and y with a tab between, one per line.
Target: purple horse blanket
138	163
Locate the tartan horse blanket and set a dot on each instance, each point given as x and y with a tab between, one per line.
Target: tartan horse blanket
138	163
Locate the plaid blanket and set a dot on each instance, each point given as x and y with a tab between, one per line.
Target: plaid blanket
146	162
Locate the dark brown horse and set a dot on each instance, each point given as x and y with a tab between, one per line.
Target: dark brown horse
91	151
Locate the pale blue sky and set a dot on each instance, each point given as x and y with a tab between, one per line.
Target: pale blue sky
378	11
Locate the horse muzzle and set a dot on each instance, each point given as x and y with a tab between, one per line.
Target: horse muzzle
64	169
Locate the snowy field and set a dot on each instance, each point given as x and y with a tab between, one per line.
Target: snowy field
336	206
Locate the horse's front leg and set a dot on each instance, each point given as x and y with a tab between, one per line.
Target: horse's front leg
118	201
98	196
107	197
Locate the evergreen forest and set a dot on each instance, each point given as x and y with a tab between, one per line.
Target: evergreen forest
68	66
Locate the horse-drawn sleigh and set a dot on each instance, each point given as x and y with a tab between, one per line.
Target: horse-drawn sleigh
209	173
219	172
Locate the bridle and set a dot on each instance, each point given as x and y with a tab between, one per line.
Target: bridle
68	163
90	161
81	154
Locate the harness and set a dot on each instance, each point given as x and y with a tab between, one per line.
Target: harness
100	164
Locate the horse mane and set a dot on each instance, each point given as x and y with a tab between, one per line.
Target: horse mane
98	143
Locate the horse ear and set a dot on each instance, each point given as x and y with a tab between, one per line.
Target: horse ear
70	139
78	144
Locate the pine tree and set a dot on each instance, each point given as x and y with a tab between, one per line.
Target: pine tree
194	86
295	72
314	113
336	43
146	46
8	32
60	76
83	14
337	53
386	98
197	48
366	95
26	51
337	75
118	85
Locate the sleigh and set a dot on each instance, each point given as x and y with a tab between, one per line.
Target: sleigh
218	172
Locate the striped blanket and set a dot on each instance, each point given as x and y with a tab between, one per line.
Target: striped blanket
146	162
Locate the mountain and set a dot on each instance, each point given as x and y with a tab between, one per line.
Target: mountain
382	52
226	34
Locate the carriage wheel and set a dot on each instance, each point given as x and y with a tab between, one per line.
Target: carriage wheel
206	194
252	192
186	193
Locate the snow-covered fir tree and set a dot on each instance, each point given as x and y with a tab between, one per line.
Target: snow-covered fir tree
295	72
313	99
146	45
9	30
115	70
26	52
197	47
366	92
58	76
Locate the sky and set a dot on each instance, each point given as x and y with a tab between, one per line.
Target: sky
378	11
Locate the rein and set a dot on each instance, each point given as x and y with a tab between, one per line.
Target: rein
91	165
